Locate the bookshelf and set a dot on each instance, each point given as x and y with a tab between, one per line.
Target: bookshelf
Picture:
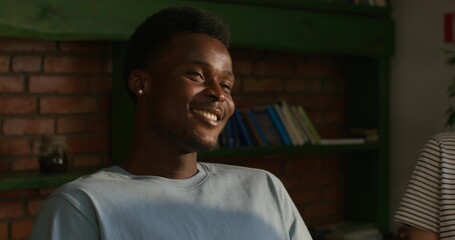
362	33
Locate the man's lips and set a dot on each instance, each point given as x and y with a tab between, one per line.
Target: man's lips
210	117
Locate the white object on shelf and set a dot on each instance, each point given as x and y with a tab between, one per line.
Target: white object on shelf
337	141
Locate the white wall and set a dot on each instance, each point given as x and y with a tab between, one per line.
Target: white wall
419	80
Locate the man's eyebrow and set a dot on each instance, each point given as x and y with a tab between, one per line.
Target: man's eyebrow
197	62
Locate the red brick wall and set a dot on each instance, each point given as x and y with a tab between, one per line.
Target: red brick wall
63	88
315	82
49	88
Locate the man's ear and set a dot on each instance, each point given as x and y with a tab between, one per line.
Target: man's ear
137	81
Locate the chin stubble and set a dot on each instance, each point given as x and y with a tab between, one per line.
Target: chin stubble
178	132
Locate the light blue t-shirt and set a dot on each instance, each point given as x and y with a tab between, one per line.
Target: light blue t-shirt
220	202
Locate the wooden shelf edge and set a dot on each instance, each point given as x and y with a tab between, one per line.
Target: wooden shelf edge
35	179
263	151
323	6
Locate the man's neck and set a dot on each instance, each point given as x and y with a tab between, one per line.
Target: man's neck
150	159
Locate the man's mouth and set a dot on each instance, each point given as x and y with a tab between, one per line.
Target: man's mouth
206	114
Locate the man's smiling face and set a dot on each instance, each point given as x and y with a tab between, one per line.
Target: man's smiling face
189	95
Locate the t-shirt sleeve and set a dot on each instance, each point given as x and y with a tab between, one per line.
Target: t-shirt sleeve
60	218
296	226
420	204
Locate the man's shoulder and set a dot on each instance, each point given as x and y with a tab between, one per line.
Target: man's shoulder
107	173
94	180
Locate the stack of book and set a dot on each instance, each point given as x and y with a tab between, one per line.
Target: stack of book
277	124
347	231
373	3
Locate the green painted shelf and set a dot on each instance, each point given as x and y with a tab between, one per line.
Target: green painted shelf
286	25
35	179
260	151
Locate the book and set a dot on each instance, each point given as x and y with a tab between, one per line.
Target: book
277	121
255	138
286	124
303	125
309	123
301	138
244	135
341	141
369	134
235	133
222	139
256	128
381	3
267	126
229	134
348	230
367	2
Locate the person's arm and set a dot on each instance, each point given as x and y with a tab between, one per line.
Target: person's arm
420	206
297	229
59	219
420	234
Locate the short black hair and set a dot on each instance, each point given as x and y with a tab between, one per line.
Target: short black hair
155	32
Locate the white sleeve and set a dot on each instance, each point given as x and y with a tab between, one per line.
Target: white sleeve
59	219
296	227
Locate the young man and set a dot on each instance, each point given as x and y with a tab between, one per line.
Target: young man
180	72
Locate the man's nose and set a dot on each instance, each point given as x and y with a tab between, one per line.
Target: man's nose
215	92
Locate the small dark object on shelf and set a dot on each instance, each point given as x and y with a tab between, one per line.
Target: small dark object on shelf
53	157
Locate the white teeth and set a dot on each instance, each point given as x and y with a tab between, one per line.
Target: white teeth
206	114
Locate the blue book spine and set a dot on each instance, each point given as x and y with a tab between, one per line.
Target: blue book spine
229	128
258	129
279	125
244	134
222	139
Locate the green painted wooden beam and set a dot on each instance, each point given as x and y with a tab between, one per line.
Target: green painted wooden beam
306	27
35	179
287	150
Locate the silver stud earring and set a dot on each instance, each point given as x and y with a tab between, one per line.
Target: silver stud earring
140	92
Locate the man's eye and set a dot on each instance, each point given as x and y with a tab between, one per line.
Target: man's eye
195	75
226	87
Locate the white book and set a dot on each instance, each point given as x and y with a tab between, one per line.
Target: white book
304	128
309	123
381	3
287	125
339	141
301	139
